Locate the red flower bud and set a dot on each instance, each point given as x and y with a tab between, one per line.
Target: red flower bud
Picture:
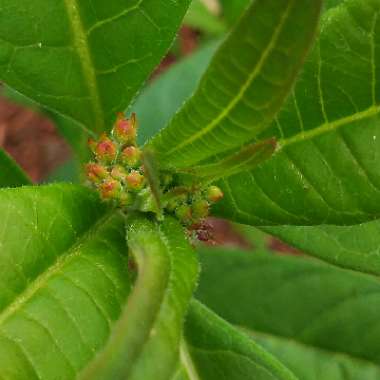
214	194
119	173
95	172
105	150
135	180
125	130
131	156
110	189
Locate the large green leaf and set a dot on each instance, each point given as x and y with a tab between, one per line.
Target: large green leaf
245	84
84	59
329	310
63	280
215	350
355	247
11	175
145	342
310	363
326	169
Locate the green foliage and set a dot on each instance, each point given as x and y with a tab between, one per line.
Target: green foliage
91	291
326	169
63	280
240	93
314	317
84	59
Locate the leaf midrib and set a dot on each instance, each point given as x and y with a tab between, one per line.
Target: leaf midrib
40	281
81	45
256	71
328	127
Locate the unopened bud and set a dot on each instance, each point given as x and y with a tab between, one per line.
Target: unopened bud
125	130
95	172
135	180
200	209
110	189
105	150
119	173
183	213
214	194
131	156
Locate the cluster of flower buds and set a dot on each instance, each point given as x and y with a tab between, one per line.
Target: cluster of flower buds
191	206
118	174
117	171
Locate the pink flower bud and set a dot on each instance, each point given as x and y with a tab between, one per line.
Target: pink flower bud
214	194
125	130
135	180
110	189
105	150
95	172
131	156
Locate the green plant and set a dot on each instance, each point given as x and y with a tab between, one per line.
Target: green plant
95	289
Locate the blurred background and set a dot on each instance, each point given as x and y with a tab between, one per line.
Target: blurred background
37	140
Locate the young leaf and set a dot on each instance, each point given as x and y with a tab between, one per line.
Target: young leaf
63	280
215	350
245	84
326	168
84	59
145	341
246	159
299	300
11	175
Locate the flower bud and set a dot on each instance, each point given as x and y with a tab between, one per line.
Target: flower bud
95	172
200	209
214	194
131	156
183	213
135	180
119	173
125	130
110	189
105	150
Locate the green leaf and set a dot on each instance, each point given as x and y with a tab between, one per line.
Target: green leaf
246	159
11	175
215	350
169	91
332	312
310	363
326	168
145	342
84	59
354	247
245	84
63	280
232	9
